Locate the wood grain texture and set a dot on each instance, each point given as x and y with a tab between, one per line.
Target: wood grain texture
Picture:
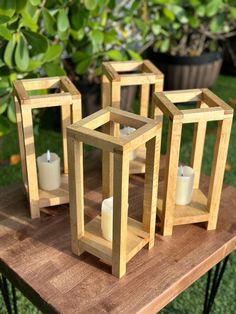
36	256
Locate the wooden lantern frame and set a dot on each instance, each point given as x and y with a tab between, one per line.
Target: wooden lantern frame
69	99
118	74
129	235
210	108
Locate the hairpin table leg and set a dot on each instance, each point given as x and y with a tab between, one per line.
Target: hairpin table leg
213	283
6	295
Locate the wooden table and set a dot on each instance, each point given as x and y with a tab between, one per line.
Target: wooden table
35	256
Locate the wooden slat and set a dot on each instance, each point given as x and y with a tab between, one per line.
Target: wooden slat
173	148
105	92
214	101
126	66
130	116
126	119
76	110
198	147
41	83
21	140
50	100
76	192
30	158
20	92
166	106
202	114
144	99
110	72
96	119
141	136
149	67
150	187
158	87
69	87
184	95
137	79
108	128
120	214
95	138
65	121
217	170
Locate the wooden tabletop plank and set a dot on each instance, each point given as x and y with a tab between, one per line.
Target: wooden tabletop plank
36	256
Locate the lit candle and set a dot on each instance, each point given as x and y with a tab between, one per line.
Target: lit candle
184	185
127	131
107	218
49	171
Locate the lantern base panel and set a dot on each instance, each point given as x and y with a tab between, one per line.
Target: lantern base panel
54	197
194	212
94	243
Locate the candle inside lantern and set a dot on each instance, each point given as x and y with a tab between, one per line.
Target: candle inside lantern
107	218
184	185
127	131
49	171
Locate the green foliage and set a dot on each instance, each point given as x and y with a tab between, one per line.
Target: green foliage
54	37
37	38
192	27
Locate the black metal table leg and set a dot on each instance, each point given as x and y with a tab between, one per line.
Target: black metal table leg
213	283
6	295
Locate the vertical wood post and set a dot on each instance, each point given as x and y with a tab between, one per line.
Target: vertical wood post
150	186
198	147
218	169
30	158
144	99
120	213
21	141
65	121
107	157
172	159
76	192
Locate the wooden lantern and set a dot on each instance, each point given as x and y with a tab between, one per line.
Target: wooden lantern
131	73
210	108
69	99
129	236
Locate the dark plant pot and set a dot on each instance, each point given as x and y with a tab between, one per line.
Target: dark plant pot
229	63
184	72
91	97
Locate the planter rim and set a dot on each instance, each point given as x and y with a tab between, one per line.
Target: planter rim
188	60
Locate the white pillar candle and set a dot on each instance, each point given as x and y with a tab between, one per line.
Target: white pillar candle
107	218
184	185
127	131
49	171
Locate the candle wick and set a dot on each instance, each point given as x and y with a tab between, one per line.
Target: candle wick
48	155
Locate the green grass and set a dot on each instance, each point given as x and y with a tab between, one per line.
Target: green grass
190	301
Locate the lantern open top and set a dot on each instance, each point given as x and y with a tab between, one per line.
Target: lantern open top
85	129
67	92
136	74
132	72
209	108
214	108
